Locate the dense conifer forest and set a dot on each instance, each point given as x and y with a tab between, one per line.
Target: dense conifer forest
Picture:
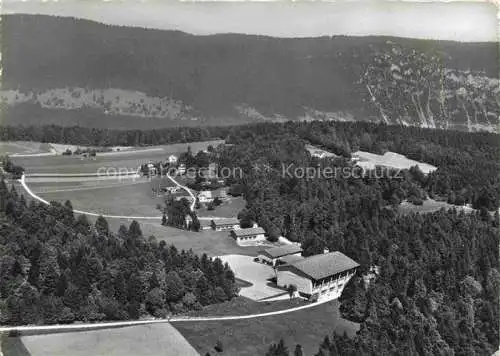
77	135
437	286
58	268
467	163
437	291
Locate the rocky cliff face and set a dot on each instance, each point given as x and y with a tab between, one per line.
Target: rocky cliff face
410	87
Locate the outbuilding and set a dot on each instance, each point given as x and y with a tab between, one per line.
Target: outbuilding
273	254
205	225
253	233
225	224
172	159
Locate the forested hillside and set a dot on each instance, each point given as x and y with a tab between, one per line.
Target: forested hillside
437	287
77	135
467	163
436	279
58	268
436	294
66	71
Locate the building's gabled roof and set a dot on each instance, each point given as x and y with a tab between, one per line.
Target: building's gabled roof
275	252
205	223
289	259
226	221
322	266
249	232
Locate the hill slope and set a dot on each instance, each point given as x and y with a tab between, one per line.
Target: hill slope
108	76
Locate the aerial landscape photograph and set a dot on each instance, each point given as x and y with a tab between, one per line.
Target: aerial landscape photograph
268	178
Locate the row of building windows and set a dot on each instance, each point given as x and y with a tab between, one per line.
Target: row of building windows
327	282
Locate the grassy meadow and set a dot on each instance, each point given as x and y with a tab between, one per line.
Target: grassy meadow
254	336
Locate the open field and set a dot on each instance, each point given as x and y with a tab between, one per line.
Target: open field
23	147
155	339
228	209
136	199
253	337
120	199
128	197
12	346
369	160
46	186
59	148
213	243
111	161
256	273
27	148
429	206
319	152
244	306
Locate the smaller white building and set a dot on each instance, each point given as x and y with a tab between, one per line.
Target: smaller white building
181	169
221	194
205	225
272	255
319	154
253	233
205	196
152	171
172	159
172	190
211	171
225	224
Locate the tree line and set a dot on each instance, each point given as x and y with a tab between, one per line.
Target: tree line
15	170
78	135
467	163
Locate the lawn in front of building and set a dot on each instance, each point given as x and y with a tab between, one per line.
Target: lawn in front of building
228	209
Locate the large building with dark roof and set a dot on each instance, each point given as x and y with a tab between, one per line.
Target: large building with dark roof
318	277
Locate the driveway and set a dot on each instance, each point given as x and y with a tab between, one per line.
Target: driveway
253	272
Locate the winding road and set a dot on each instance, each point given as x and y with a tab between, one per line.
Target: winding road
22	181
186	189
90	326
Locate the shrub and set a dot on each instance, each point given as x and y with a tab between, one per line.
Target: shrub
218	346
